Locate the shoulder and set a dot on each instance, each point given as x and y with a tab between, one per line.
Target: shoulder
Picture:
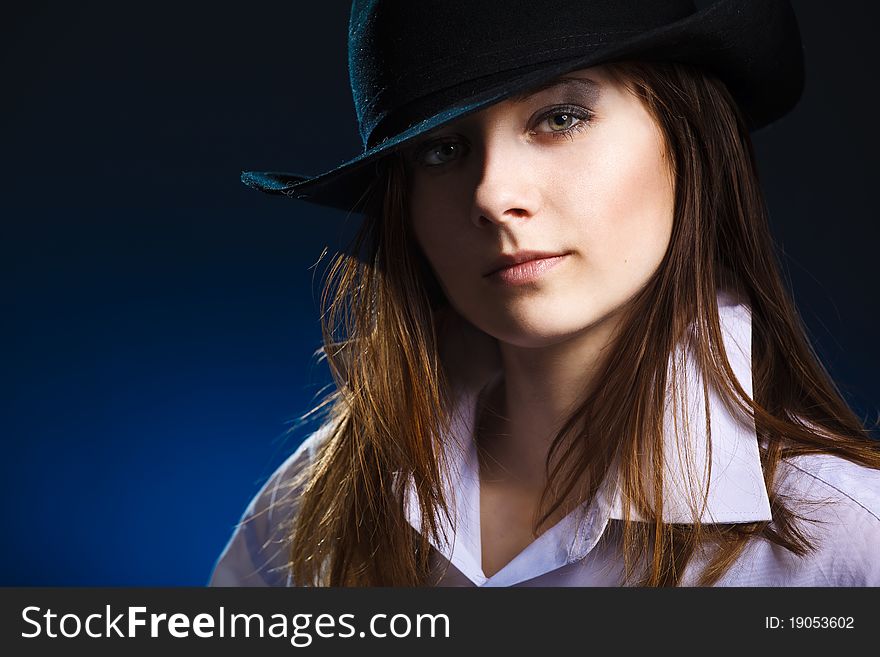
256	553
848	483
840	500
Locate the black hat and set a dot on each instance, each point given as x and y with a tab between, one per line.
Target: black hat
416	66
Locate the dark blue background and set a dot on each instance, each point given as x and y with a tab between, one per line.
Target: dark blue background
160	319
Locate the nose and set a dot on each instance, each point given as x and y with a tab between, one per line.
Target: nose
507	189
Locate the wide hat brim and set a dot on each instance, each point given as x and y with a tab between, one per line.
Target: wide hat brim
754	46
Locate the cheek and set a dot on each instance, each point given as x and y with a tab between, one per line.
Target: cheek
430	221
630	200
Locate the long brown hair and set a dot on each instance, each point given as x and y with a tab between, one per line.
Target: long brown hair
388	413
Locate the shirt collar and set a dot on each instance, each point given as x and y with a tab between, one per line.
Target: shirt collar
736	491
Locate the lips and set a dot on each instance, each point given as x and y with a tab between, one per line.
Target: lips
507	260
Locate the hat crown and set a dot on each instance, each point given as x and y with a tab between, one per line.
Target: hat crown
400	51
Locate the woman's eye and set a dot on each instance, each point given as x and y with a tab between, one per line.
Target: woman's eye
565	121
441	153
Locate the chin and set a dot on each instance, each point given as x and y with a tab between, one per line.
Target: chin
543	329
532	341
532	335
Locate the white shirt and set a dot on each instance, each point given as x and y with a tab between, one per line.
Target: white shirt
843	497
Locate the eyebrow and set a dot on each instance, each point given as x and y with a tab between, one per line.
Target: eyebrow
582	84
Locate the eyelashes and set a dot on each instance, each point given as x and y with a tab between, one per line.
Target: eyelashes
574	119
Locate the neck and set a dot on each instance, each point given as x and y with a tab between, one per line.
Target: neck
522	410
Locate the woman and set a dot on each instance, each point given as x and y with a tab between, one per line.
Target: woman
563	351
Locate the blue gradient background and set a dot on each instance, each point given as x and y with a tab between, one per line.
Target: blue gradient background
160	319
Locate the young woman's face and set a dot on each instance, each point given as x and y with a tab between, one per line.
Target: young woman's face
576	172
